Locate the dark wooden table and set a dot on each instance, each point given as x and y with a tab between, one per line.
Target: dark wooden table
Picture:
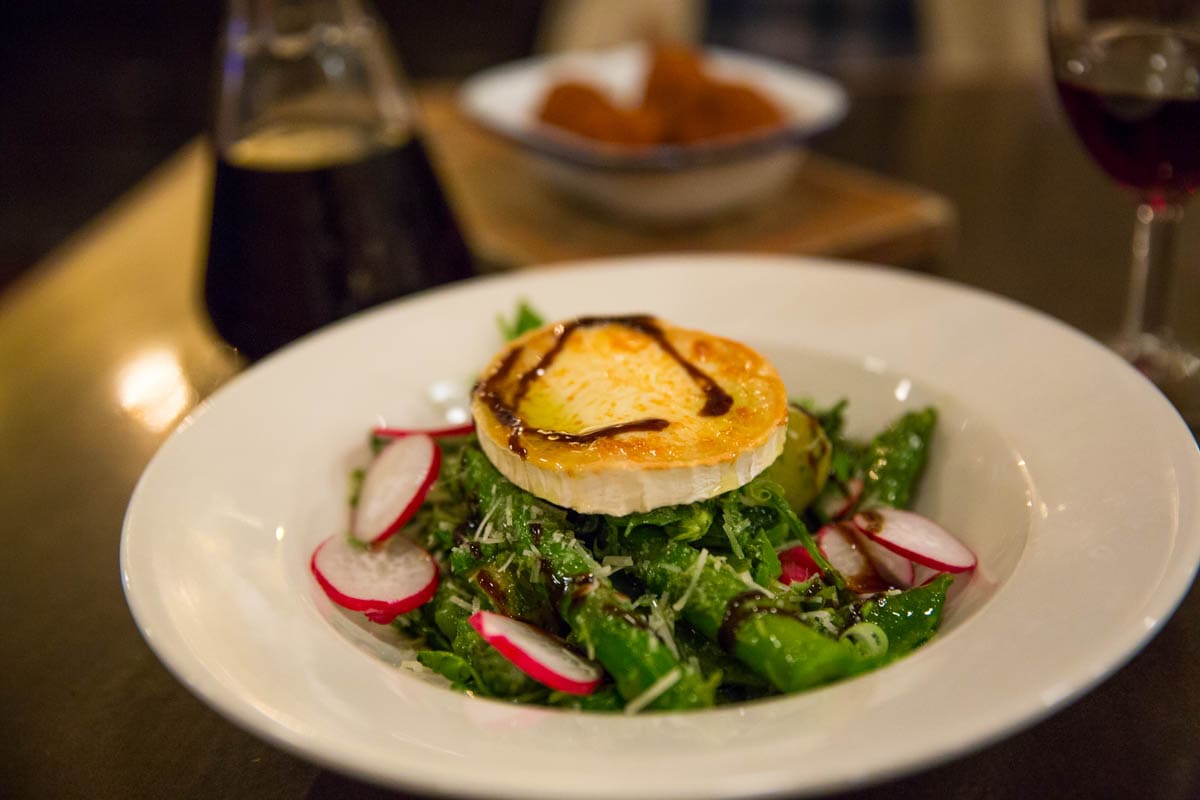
103	346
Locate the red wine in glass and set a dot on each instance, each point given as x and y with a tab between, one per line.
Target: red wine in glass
1133	97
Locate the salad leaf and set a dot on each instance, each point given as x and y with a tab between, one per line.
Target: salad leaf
454	668
895	458
525	319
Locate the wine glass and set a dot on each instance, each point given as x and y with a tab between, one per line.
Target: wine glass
1128	76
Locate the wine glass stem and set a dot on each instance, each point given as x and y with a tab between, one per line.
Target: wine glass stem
1150	278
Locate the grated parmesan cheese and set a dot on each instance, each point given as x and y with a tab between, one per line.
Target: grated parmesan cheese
697	568
485	524
656	690
731	533
612	564
461	603
661	626
750	584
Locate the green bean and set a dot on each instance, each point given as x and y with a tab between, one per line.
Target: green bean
726	609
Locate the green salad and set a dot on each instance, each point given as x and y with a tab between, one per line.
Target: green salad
720	601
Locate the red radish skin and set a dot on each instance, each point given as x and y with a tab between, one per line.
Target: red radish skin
538	654
915	537
798	565
394	487
436	433
837	543
383	582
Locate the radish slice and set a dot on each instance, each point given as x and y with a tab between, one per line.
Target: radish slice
923	574
384	582
915	537
437	433
892	567
539	655
837	543
839	505
798	565
394	487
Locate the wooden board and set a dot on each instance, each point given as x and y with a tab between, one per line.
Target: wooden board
831	209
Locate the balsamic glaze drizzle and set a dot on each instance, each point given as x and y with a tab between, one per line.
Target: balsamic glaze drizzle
486	582
717	401
570	588
743	608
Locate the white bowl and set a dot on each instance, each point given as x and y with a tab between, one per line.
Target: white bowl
1070	476
663	184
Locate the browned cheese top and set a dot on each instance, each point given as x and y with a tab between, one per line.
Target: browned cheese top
631	390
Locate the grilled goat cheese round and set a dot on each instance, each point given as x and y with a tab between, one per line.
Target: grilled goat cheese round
616	415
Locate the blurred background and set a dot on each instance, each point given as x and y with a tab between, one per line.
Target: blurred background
95	95
954	144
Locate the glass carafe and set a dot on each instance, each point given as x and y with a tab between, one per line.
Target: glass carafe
324	201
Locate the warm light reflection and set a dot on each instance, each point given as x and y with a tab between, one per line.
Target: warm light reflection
902	389
1055	695
279	533
452	398
874	365
152	389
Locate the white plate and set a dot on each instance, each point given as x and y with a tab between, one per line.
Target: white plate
667	183
1071	477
